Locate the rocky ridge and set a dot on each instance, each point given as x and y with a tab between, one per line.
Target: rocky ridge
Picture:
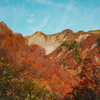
68	55
51	42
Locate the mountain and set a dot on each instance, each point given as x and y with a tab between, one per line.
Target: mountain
69	49
49	42
46	67
72	52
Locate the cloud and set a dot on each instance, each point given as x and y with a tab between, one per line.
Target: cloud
27	0
30	15
46	2
40	26
30	20
34	29
67	6
6	0
14	9
44	22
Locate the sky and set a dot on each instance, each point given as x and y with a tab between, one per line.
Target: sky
50	16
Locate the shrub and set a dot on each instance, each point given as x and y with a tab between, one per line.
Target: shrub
98	42
93	55
14	87
64	44
85	93
59	50
73	45
98	46
77	53
79	61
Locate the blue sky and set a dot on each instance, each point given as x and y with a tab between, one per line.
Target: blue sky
50	16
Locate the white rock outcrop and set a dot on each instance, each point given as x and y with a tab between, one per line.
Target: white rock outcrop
48	42
97	59
81	37
94	45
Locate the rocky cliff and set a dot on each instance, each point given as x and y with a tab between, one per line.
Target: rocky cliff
49	42
71	58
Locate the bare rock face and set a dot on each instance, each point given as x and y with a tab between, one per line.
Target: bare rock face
52	42
81	37
49	42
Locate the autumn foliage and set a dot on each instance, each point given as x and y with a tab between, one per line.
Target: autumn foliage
27	73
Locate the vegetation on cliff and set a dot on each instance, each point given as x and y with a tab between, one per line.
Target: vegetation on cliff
27	73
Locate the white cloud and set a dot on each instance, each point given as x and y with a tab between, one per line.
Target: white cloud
43	23
67	6
30	20
34	29
14	9
27	0
6	0
46	2
39	27
30	15
57	30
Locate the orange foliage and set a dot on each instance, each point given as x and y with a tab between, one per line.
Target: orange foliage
32	63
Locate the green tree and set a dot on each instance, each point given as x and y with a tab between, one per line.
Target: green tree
64	44
73	45
77	53
98	46
59	50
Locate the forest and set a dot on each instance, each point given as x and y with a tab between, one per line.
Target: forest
27	73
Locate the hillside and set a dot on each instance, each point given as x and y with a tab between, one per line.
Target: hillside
49	67
60	46
51	42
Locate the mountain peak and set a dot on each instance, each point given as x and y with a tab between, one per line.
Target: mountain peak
49	42
3	23
39	33
67	31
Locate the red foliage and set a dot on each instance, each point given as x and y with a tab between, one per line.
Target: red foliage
31	62
88	76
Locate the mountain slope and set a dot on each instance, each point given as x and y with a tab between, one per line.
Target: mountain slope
49	42
69	49
72	62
